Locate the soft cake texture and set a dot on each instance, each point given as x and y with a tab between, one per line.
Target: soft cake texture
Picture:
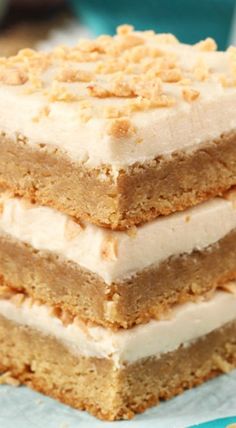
61	360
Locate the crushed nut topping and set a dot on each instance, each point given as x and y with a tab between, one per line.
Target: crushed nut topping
121	128
44	112
109	249
207	45
133	71
13	76
123	30
222	364
72	229
171	76
190	94
70	75
60	93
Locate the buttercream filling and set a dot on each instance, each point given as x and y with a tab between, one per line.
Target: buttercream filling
117	255
186	323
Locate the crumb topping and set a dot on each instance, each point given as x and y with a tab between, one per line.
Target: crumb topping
109	249
121	128
190	94
119	76
207	45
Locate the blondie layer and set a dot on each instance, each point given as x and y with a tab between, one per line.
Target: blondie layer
117	374
119	130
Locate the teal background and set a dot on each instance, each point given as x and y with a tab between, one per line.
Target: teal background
219	423
189	20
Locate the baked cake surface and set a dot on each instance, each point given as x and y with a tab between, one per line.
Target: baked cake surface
114	130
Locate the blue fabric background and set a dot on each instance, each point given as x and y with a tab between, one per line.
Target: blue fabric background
22	408
190	20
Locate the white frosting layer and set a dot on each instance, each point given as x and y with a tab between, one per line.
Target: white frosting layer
187	323
161	130
117	255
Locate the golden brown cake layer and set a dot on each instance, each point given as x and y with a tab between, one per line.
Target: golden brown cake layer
106	391
140	193
63	284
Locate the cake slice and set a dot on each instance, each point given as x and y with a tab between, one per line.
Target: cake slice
119	130
116	279
116	374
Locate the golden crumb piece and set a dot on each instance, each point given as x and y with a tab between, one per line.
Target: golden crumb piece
120	88
27	53
140	53
70	75
96	90
66	317
60	52
35	80
109	249
185	81
201	70
190	94
173	75
207	45
60	93
142	104
121	128
227	81
129	41
110	66
44	112
13	76
8	379
222	364
231	426
124	29
32	60
163	100
72	229
132	232
87	45
18	299
150	90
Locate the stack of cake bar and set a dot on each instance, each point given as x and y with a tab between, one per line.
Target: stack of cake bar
118	219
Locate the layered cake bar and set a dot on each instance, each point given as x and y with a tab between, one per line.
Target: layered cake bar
119	130
115	374
116	279
129	132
